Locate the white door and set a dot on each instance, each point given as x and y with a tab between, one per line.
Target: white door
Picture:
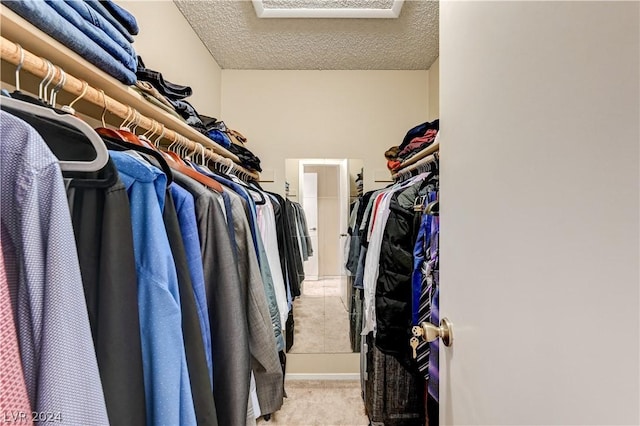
310	207
539	212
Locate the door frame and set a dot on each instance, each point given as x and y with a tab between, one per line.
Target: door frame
343	164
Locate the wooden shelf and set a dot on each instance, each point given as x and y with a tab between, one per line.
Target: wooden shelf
16	30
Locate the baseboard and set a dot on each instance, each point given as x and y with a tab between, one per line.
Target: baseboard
322	376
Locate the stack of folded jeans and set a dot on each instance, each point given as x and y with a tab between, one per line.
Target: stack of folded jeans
99	31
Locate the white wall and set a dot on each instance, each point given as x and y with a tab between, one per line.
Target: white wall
540	105
434	90
324	114
168	44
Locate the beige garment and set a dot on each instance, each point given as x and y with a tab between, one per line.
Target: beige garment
157	103
236	137
148	88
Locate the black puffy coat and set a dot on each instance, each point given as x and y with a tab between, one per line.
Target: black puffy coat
393	287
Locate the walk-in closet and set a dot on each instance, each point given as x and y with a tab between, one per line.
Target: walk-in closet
319	212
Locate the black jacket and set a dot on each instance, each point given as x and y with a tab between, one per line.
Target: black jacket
102	226
393	287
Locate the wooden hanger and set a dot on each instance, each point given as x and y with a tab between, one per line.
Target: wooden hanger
176	163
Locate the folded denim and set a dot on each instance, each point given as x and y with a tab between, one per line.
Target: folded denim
41	15
122	15
99	8
172	91
64	9
92	16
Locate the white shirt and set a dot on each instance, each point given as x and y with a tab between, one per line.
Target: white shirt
268	232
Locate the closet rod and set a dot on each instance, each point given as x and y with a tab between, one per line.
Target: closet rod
416	165
434	147
37	66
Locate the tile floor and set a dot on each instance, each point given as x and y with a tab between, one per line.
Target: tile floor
321	318
320	403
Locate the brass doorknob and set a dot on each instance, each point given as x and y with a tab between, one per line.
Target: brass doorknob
430	332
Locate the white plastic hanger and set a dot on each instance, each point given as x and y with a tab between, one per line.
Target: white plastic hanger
102	155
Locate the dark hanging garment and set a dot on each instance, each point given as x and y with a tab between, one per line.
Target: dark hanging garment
355	317
278	214
393	286
194	347
304	228
290	331
393	396
296	251
227	307
284	246
102	226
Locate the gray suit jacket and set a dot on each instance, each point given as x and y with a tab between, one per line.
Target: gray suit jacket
227	308
264	356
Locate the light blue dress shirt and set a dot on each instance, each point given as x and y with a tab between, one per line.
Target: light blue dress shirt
185	207
166	378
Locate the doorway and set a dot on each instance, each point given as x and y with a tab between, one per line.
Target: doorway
321	204
322	345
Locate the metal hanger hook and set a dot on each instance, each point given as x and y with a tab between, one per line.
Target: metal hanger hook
124	125
48	83
230	164
157	141
104	111
19	67
85	87
136	121
186	152
41	85
58	87
151	131
204	153
170	147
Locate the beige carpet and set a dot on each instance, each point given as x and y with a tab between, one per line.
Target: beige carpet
321	319
320	403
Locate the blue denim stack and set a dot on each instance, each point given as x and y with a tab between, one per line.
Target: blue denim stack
99	31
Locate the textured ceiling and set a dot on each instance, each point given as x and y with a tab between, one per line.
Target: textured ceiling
238	39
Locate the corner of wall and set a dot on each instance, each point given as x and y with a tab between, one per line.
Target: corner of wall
434	90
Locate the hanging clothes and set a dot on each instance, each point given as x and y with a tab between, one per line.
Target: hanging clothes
158	296
387	227
43	273
13	389
227	304
203	402
184	290
101	221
